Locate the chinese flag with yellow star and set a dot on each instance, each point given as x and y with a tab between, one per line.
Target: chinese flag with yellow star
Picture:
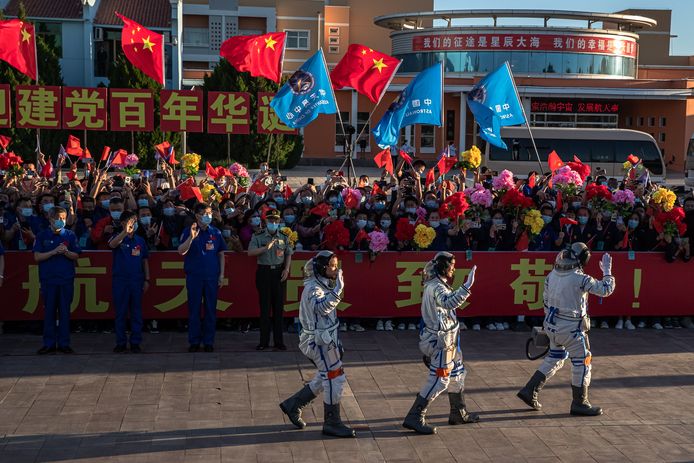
260	55
18	46
365	70
144	48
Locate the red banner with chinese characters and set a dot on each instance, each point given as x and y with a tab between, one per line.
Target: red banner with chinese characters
594	44
38	107
85	108
132	110
544	105
181	111
5	113
268	122
229	112
507	283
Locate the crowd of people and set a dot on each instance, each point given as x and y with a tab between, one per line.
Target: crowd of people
414	207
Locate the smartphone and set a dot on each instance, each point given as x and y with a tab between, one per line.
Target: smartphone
309	181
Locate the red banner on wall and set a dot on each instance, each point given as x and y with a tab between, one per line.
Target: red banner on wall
181	111
38	107
5	114
507	283
229	112
85	108
132	110
621	46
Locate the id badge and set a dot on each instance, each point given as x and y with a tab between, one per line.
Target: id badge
209	246
135	252
22	245
83	241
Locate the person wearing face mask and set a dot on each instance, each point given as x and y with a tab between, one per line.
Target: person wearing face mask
439	342
585	231
104	229
41	221
289	218
251	226
20	235
170	228
441	242
319	341
203	246
56	250
85	223
548	237
274	254
130	274
147	229
358	225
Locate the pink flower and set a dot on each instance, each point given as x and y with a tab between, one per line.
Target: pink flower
238	170
565	176
504	181
479	196
623	197
131	160
379	241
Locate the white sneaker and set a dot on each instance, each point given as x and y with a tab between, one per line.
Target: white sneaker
463	326
604	325
154	327
641	324
356	327
491	327
499	326
343	326
476	327
401	326
628	325
619	325
379	325
657	326
389	325
411	327
507	326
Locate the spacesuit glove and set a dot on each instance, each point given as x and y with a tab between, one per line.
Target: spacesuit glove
339	282
606	264
470	280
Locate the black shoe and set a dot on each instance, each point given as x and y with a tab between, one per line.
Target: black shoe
135	348
193	348
280	347
46	350
529	393
416	417
580	404
459	414
332	423
208	348
66	350
119	349
292	406
261	347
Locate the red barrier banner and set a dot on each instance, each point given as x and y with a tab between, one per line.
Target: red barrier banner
38	107
229	112
132	110
85	108
5	99
181	111
507	283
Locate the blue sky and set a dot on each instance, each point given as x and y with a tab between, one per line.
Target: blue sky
682	13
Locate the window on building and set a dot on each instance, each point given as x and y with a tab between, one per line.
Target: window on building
651	122
426	137
628	121
196	36
663	121
640	122
662	137
340	139
297	39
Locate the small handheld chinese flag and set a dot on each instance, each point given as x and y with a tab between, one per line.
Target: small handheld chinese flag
4	142
366	70
446	163
554	161
18	46
86	156
73	147
105	152
260	55
406	157
384	160
143	48
430	177
47	169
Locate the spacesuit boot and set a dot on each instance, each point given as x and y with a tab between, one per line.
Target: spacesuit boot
580	405
530	393
459	414
293	405
332	423
416	417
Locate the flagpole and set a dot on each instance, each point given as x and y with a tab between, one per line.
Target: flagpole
525	116
332	90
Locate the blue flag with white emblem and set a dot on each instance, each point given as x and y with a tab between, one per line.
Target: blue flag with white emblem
306	94
494	103
419	103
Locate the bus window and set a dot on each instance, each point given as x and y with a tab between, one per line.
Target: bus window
643	149
602	151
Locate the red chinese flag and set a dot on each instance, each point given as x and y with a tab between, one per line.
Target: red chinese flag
384	160
376	190
18	46
523	242
366	70
406	157
287	192
47	169
73	146
144	49
86	155
162	148
260	55
532	181
560	201
210	171
554	161
119	158
431	177
566	221
105	152
4	141
446	163
258	187
172	157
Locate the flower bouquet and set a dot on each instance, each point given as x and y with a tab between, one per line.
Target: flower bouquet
424	236
351	197
470	159
567	181
598	196
243	179
336	235
291	235
130	164
664	199
533	222
404	230
454	206
503	182
11	164
670	223
623	202
378	242
191	164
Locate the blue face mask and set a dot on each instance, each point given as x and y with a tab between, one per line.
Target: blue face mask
633	223
582	219
289	218
385	223
272	227
279	200
498	222
27	212
379	206
255	221
206	219
361	223
169	211
47	207
307	200
272	206
411	210
146	219
135	227
434	223
229	210
105	203
115	215
431	204
58	224
142	202
370	224
546	219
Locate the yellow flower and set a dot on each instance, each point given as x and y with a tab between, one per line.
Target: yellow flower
292	235
473	157
533	220
627	165
664	198
207	190
424	236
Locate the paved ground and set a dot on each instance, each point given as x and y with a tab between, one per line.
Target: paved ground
169	406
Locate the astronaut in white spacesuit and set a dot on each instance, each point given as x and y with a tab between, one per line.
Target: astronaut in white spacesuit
566	324
438	341
318	340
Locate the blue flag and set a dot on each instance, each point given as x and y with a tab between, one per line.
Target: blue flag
306	94
419	103
494	103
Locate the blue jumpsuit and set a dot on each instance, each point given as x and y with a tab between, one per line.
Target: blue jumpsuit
128	282
201	265
57	277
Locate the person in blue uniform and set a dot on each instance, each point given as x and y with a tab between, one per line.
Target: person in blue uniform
56	250
203	247
130	281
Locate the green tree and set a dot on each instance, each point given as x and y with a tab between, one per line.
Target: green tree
249	149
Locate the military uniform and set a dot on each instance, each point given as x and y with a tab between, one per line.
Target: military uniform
268	282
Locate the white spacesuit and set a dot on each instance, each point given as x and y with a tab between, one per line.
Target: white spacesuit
318	340
566	324
440	345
